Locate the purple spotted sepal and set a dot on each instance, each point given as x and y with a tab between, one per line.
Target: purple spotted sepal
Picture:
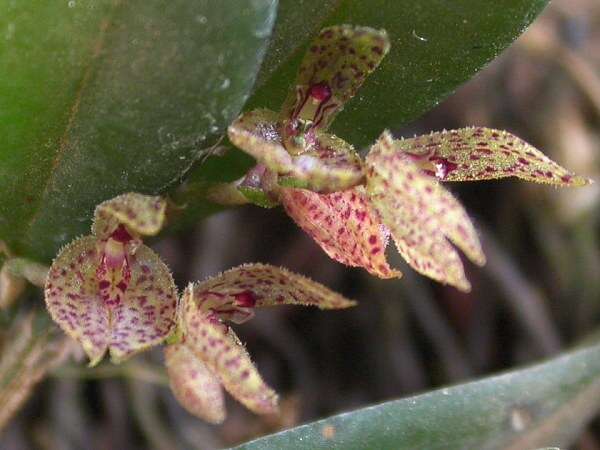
208	356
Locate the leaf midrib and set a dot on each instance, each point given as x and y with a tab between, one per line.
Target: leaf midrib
96	49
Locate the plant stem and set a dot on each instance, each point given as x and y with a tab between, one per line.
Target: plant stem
32	271
133	370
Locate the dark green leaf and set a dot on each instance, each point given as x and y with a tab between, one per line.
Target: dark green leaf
544	405
436	46
99	98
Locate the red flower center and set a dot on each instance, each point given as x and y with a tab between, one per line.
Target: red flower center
320	92
121	234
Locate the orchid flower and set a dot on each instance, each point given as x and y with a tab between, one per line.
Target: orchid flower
209	356
350	207
112	293
108	290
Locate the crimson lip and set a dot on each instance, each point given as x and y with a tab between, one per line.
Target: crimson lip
121	234
320	92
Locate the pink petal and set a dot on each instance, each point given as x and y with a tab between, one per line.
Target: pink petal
219	349
335	66
482	154
234	293
147	314
420	214
196	388
344	225
72	298
142	214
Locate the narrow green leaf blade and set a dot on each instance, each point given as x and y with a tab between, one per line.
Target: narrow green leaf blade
543	405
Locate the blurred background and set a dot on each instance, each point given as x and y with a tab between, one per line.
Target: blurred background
539	292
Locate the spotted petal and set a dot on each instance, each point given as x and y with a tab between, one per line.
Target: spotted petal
235	293
257	133
420	214
195	387
142	214
478	153
143	317
221	351
329	164
146	316
344	225
335	66
73	300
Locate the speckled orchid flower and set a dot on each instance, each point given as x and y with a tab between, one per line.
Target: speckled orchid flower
209	356
350	207
108	290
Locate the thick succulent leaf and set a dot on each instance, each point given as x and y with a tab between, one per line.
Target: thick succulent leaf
336	64
435	47
543	406
105	97
330	164
142	214
218	347
195	387
344	225
421	215
72	298
482	154
144	315
232	294
147	314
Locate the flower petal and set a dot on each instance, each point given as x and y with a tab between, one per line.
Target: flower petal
335	66
257	133
328	164
196	388
146	316
344	225
478	153
142	214
331	165
234	293
219	348
421	214
72	298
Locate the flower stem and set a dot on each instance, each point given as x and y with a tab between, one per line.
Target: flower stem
32	271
